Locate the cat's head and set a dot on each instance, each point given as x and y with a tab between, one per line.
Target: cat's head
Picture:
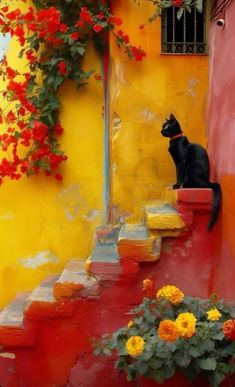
171	127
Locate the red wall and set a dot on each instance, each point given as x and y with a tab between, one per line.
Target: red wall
221	140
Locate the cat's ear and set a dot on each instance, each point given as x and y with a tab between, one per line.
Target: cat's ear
172	117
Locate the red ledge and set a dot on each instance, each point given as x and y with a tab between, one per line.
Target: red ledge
16	337
195	195
49	309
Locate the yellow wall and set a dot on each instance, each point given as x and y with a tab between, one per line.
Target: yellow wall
44	222
142	94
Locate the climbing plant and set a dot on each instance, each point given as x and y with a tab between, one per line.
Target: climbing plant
54	36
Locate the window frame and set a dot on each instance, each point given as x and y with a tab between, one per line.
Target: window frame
206	27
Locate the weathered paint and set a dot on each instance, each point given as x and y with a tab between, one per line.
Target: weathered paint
64	328
41	214
142	94
221	145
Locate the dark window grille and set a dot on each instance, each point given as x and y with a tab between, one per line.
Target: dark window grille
186	35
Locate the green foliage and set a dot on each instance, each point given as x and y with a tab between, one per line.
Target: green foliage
207	352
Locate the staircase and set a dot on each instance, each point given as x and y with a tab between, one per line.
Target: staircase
43	334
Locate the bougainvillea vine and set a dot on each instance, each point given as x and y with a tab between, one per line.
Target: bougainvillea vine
54	36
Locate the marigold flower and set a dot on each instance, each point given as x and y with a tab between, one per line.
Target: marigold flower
213	314
186	324
148	289
130	323
167	331
229	329
135	346
171	293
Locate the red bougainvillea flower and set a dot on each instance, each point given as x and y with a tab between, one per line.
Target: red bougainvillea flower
58	129
123	36
63	27
39	131
177	3
149	288
138	53
11	74
114	20
30	56
62	68
58	177
97	28
85	16
229	329
74	35
98	77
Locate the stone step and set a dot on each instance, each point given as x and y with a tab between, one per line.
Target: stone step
105	263
42	303
105	253
165	219
107	235
75	282
135	244
15	330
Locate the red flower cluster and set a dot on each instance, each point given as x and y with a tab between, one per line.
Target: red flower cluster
53	43
229	329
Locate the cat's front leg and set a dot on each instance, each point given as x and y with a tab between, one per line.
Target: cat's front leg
179	176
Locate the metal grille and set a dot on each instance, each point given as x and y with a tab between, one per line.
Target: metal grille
184	36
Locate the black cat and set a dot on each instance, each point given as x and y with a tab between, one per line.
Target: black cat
192	164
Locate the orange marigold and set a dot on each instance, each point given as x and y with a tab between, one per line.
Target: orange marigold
149	289
229	329
171	293
167	331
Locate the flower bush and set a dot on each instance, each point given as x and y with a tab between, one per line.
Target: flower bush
167	334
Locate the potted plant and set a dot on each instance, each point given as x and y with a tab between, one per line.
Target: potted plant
170	333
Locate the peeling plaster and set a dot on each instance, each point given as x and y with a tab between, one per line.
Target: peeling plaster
8	216
91	215
39	259
8	355
148	115
192	84
114	169
71	201
119	81
116	126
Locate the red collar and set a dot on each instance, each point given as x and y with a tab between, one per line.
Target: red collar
177	136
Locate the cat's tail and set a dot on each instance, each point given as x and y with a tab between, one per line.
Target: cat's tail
217	198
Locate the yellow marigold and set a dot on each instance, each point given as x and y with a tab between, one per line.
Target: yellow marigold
213	314
135	346
186	324
171	293
167	330
130	323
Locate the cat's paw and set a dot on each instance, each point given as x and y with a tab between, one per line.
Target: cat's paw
176	186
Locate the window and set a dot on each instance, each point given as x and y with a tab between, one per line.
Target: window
186	35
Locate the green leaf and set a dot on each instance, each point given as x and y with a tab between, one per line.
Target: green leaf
107	352
142	367
180	13
208	364
155	363
199	5
194	352
182	358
